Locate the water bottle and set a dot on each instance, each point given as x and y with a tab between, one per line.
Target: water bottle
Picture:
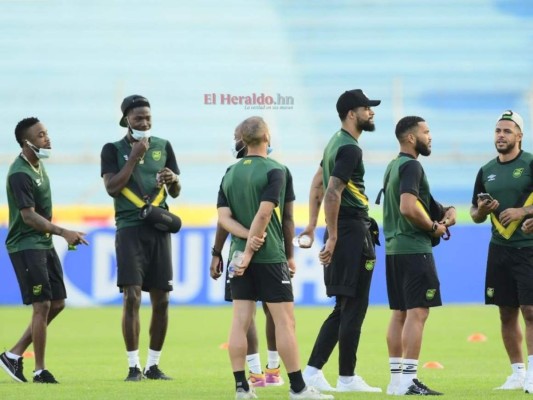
301	241
235	263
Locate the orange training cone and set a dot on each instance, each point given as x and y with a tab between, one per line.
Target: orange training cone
223	346
477	337
433	365
28	354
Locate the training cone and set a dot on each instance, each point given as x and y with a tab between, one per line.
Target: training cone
477	337
433	365
223	346
28	354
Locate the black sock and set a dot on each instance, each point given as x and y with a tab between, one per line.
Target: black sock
240	380
297	381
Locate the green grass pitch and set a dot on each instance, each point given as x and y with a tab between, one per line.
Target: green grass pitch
86	354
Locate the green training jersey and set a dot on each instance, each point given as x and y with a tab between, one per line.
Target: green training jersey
343	159
132	198
247	183
27	187
511	183
404	174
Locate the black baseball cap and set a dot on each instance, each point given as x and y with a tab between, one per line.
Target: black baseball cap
354	98
130	103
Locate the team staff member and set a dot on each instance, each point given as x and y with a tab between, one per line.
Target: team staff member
30	247
347	271
412	282
253	193
508	179
137	169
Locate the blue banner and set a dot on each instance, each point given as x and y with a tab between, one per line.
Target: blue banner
90	271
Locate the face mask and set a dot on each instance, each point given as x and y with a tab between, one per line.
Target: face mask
238	149
269	150
40	153
138	135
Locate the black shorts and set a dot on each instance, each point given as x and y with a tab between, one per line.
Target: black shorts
144	258
353	261
412	281
509	277
39	275
265	282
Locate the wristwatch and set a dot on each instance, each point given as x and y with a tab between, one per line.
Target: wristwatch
215	253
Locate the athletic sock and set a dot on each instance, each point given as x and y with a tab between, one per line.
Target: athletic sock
297	381
409	372
133	359
273	359
38	372
310	371
12	356
520	368
153	358
395	364
254	363
240	381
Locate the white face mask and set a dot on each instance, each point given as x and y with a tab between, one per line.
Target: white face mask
237	149
269	150
40	153
138	135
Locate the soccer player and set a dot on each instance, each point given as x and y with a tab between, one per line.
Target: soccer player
137	169
271	376
253	193
30	247
348	255
412	283
503	192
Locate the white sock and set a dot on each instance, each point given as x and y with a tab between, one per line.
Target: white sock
310	371
273	359
395	364
38	372
133	359
12	356
409	372
254	363
153	358
345	379
520	368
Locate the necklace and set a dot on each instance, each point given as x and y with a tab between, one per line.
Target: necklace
37	170
141	159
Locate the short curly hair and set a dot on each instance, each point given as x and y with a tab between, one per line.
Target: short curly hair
22	128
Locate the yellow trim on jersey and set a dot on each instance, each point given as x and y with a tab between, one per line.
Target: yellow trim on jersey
137	201
357	194
508	231
277	211
420	205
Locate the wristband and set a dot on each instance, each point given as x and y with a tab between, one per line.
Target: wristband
216	253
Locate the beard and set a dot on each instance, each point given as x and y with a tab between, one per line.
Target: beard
366	126
422	148
505	150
